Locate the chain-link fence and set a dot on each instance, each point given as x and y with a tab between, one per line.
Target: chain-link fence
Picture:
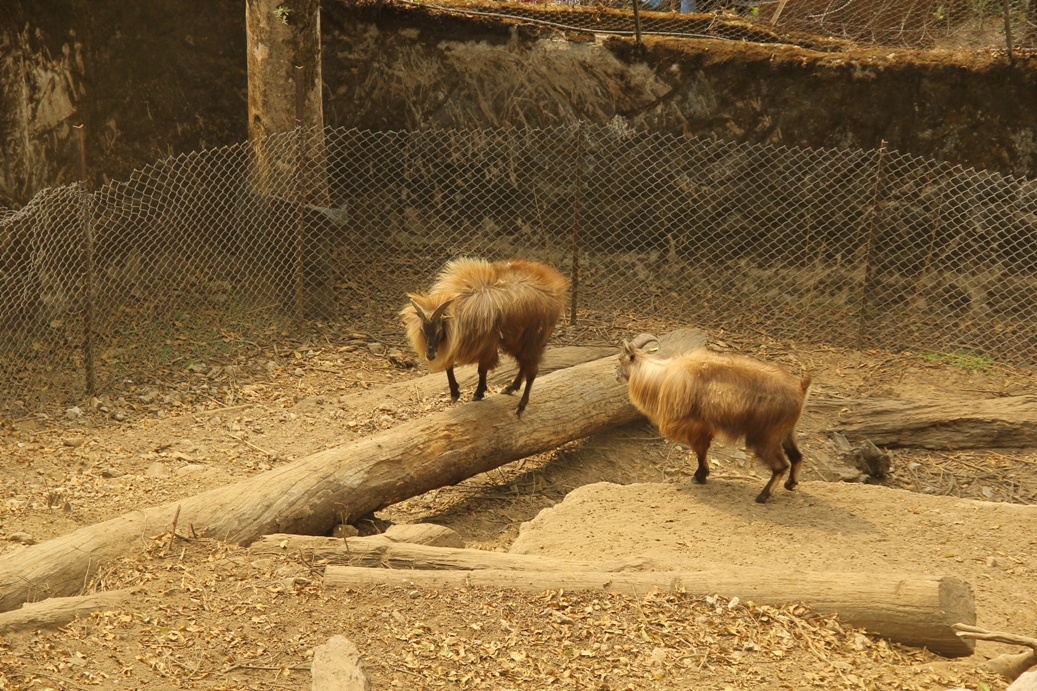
951	24
203	256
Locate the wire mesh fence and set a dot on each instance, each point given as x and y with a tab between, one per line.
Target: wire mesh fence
202	257
950	24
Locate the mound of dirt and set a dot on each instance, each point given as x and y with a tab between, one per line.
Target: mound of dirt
820	526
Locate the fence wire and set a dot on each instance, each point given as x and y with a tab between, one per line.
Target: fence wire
948	24
213	256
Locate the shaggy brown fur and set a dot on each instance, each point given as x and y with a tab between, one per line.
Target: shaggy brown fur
477	308
696	396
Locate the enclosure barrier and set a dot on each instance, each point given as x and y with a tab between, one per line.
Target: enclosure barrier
925	24
212	257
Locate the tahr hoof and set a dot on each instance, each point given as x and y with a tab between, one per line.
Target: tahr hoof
762	498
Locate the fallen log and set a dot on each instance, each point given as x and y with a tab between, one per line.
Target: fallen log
914	610
933	424
434	385
58	611
381	551
311	495
423	534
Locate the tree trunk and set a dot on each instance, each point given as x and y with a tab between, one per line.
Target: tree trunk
344	483
281	99
914	610
934	424
384	552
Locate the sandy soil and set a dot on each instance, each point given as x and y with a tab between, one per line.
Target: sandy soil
210	615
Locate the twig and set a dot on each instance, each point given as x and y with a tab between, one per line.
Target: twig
301	668
63	680
248	443
176	518
227	409
969	631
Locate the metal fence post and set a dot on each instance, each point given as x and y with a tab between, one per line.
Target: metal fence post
1008	29
875	200
88	264
577	192
637	22
300	195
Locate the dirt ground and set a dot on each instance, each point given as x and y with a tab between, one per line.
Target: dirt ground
210	615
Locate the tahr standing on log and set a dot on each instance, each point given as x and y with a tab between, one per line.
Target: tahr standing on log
477	308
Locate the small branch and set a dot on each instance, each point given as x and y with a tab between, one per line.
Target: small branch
1008	666
257	448
967	631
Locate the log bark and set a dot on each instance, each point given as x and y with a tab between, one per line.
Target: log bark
344	483
933	424
384	552
914	610
58	611
284	92
423	534
435	385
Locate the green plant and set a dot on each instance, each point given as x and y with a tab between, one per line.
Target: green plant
970	362
282	12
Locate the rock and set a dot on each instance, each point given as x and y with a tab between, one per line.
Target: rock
22	538
872	460
74	441
74	413
112	472
1027	681
157	469
376	348
400	359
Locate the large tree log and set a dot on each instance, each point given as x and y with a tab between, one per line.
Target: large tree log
435	385
914	610
934	424
384	552
344	483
